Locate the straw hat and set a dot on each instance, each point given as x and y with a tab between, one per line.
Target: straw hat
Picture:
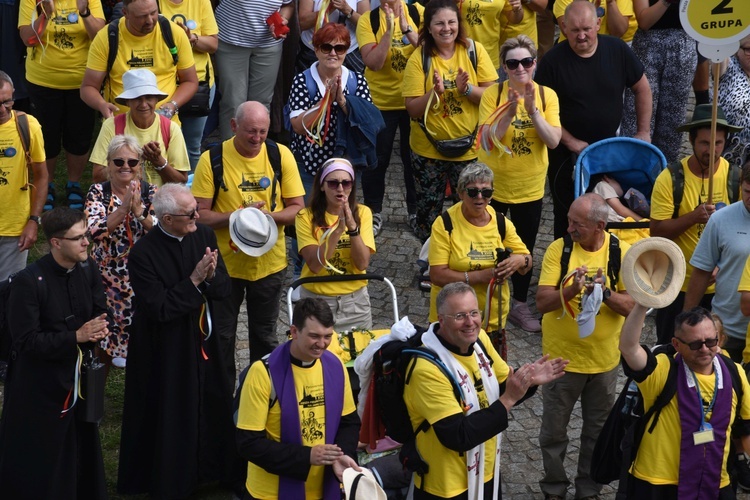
362	485
252	231
653	271
138	82
702	118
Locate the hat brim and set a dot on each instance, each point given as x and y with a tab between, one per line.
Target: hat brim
685	127
136	92
251	250
666	260
367	486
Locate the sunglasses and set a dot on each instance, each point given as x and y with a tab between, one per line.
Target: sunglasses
474	192
120	162
340	48
697	344
192	215
334	184
526	62
86	235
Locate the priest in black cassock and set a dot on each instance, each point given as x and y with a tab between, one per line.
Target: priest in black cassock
177	428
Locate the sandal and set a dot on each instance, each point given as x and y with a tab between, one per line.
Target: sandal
75	195
424	280
50	203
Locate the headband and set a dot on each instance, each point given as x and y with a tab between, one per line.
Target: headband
336	164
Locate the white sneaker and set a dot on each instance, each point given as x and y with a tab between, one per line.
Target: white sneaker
119	362
377	223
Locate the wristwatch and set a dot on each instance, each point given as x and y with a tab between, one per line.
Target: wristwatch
606	294
36	219
407	30
354	232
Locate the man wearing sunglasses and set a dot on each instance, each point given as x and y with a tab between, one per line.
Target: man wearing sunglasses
686	454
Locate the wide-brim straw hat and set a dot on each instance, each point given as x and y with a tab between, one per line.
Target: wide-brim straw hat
362	485
252	231
653	271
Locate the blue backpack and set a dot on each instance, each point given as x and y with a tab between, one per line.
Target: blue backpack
312	87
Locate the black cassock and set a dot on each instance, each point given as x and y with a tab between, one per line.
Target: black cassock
45	452
177	428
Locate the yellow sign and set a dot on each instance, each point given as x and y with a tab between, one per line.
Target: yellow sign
715	22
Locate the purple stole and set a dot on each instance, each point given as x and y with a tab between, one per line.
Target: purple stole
280	369
701	465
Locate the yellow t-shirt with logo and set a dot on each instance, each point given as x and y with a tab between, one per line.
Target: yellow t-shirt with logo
60	60
483	22
470	248
527	27
176	155
309	234
248	180
201	13
519	178
744	286
429	396
598	352
149	52
255	415
658	459
14	174
626	9
457	115
390	76
695	193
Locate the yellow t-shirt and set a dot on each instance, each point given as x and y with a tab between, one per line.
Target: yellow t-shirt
626	9
429	396
658	459
201	13
148	51
176	155
308	235
383	81
695	193
520	178
249	180
13	174
469	248
744	286
457	116
483	21
60	60
527	27
255	415
598	352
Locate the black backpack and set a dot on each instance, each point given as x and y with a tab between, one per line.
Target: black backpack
392	369
613	262
678	184
375	17
617	444
145	190
217	169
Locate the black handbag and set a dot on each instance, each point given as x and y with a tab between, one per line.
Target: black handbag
93	378
200	103
451	148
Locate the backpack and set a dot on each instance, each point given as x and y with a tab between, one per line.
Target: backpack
375	17
107	193
164	126
617	444
613	262
678	184
392	369
312	87
448	223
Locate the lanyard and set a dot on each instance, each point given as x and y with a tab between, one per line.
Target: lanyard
700	398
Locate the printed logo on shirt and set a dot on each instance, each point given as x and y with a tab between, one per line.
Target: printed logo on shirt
3	177
474	15
141	58
398	61
481	250
312	427
62	40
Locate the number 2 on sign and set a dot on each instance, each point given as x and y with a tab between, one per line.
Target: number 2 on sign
722	8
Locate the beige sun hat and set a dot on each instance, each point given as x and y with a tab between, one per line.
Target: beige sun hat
653	271
362	485
252	231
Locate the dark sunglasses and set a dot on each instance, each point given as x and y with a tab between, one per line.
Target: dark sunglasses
192	215
86	235
120	162
526	62
340	48
334	184
474	192
697	344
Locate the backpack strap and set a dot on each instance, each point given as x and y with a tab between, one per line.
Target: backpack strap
106	192
501	224
274	158
165	124
120	123
662	400
541	95
113	35
217	170
614	261
678	185
565	257
471	49
447	222
24	133
733	182
375	17
168	36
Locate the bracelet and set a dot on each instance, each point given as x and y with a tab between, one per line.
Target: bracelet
176	107
350	14
468	90
85	14
466	277
354	232
536	111
159	169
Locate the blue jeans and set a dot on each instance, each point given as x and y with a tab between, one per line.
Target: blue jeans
192	130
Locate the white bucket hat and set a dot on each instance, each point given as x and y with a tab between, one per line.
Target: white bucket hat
362	485
653	271
252	231
138	82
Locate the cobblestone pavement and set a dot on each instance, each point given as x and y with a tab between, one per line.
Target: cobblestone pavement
397	251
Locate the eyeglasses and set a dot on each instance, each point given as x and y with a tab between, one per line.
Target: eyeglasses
697	344
474	192
340	48
120	162
192	215
526	62
86	235
461	317
335	183
746	50
8	104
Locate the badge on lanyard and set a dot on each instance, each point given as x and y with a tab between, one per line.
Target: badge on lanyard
705	435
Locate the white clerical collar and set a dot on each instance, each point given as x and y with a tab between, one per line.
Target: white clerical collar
178	238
